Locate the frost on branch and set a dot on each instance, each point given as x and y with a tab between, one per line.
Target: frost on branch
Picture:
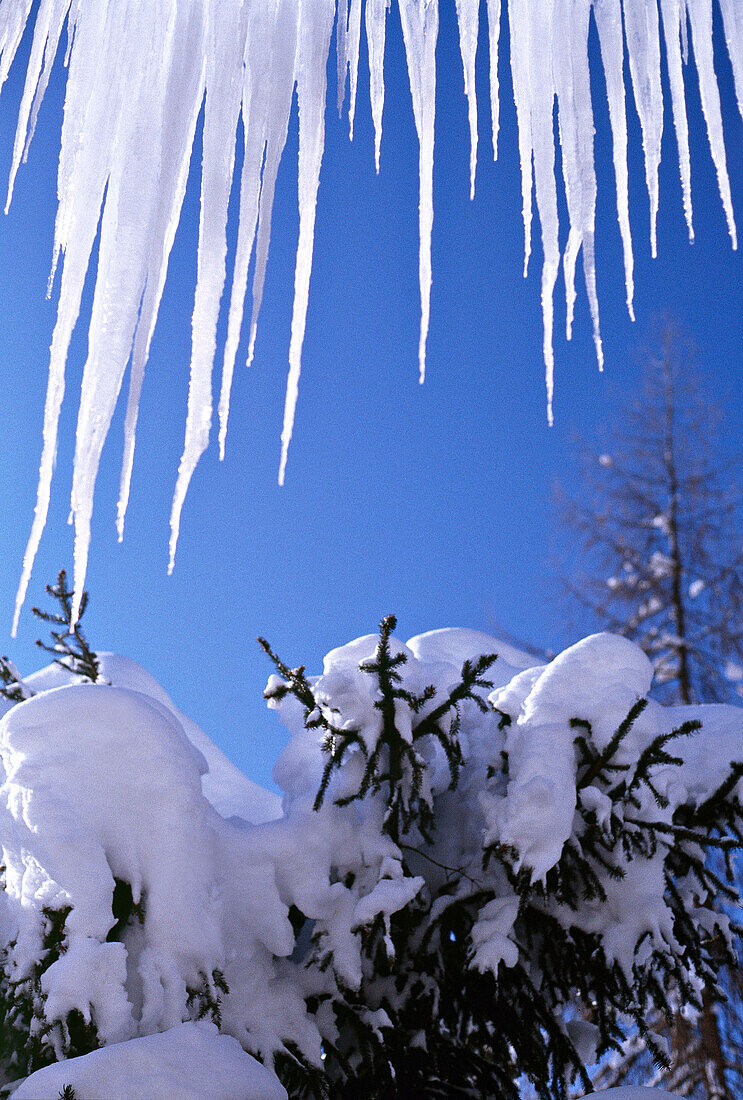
138	77
471	851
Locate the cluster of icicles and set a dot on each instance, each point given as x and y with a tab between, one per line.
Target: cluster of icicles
138	74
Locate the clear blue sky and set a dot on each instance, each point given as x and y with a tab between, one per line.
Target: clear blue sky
433	502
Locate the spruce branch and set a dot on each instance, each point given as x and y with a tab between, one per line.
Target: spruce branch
603	762
655	755
71	643
13	687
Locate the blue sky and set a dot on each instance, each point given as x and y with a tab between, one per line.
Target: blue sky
433	502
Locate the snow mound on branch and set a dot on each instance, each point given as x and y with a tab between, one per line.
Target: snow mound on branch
229	791
103	790
600	677
454	645
102	784
191	1062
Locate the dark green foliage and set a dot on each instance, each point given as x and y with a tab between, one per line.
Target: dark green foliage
67	1093
573	962
124	909
71	643
300	1078
26	1036
205	999
425	1022
70	646
393	762
13	687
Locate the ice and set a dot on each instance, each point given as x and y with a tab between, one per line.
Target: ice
468	14
266	105
494	8
420	28
520	32
573	85
643	46
376	25
700	17
279	82
608	16
541	83
227	30
137	84
13	18
348	32
674	11
732	18
353	43
316	25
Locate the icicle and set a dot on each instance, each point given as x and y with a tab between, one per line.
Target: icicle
178	135
156	84
75	235
13	19
541	15
520	32
223	101
281	78
608	16
52	408
468	16
349	38
47	32
136	82
314	44
420	28
573	86
341	35
376	20
266	104
732	19
700	17
674	17
493	36
352	50
643	45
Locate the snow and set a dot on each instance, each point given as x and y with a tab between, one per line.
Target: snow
139	816
135	88
225	786
606	674
191	1061
108	784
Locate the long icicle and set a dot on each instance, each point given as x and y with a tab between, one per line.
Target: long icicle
136	81
420	28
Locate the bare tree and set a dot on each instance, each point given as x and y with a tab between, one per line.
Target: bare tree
660	520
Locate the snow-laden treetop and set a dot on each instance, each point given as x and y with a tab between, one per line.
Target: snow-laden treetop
138	74
470	850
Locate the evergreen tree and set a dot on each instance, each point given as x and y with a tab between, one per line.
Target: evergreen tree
69	645
661	521
433	1013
